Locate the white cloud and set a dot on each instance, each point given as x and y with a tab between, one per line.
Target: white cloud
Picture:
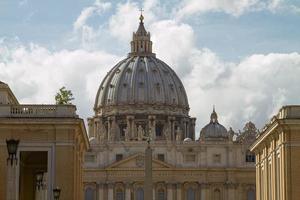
83	33
124	21
35	74
98	7
232	7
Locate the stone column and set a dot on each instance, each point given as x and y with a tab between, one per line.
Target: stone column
185	128
151	119
11	180
193	122
100	191
179	191
110	191
90	127
169	191
130	126
112	128
171	128
128	187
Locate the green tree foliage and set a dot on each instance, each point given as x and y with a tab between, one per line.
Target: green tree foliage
64	96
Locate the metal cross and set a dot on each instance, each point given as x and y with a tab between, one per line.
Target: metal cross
141	11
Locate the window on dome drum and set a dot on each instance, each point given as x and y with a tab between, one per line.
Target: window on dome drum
217	158
161	157
119	157
159	129
250	157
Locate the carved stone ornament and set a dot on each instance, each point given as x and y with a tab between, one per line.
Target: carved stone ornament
139	161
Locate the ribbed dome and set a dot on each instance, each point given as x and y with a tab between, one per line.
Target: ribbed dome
141	81
214	130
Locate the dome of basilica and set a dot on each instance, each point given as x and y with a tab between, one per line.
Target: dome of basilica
141	96
141	81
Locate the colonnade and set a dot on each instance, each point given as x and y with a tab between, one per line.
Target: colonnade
176	191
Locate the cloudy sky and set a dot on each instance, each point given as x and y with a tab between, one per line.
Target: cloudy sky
241	55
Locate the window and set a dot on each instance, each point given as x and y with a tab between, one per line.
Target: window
89	194
190	158
161	157
191	194
89	158
250	157
159	130
161	194
140	194
119	157
120	194
217	158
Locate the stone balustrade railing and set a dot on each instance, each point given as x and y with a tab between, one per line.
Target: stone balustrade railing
38	111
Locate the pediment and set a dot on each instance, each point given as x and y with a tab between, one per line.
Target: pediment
137	161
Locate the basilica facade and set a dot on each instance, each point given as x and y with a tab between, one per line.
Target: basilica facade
142	97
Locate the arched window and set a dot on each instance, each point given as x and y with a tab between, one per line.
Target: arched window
140	194
251	194
89	194
120	194
161	194
191	194
217	194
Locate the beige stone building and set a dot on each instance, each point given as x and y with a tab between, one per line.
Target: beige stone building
277	149
52	141
142	97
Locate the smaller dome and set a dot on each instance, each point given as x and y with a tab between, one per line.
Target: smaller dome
214	130
187	140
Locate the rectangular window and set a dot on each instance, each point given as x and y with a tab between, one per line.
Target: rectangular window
161	157
250	158
119	157
217	158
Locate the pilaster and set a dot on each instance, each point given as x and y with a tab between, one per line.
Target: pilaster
169	191
178	191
